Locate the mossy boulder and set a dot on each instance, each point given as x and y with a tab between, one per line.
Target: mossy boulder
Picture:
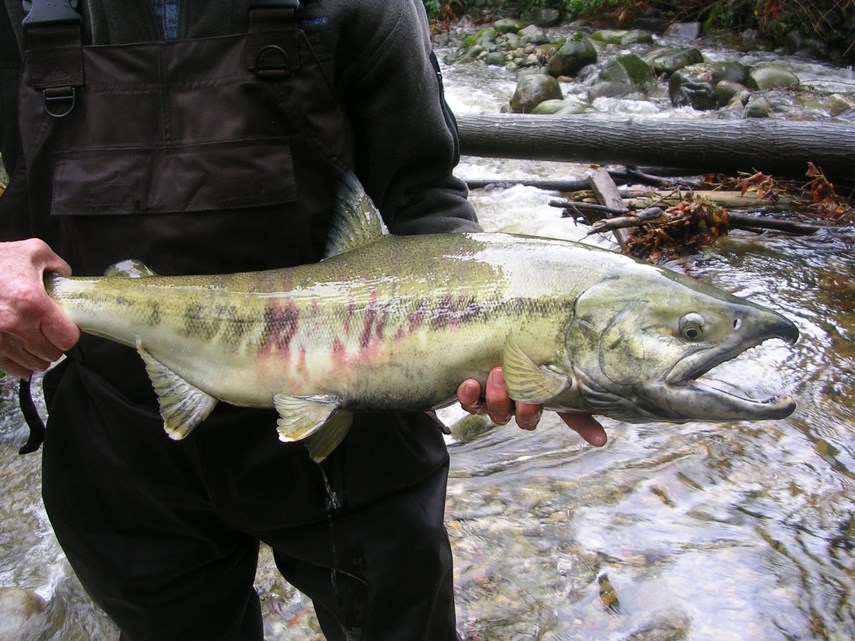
667	60
576	52
533	89
627	69
772	76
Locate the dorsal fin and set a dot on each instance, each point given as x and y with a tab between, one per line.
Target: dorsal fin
130	268
355	221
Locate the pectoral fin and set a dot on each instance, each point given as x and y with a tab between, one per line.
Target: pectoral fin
182	405
526	381
316	420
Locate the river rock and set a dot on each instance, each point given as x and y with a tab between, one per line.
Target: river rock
667	60
838	104
636	36
547	18
560	108
17	606
622	37
609	36
533	34
684	31
727	89
576	52
496	58
532	89
694	86
757	107
507	25
627	69
772	76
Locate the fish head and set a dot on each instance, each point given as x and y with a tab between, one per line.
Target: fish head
639	342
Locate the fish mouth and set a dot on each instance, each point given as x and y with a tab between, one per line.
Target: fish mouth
685	394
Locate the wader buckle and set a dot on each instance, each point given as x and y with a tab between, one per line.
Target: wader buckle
50	12
273	4
54	32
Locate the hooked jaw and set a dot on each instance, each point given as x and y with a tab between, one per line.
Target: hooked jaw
684	395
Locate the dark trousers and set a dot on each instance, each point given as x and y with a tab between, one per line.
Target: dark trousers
164	535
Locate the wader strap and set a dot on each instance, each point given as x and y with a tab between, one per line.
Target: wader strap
32	417
53	31
273	47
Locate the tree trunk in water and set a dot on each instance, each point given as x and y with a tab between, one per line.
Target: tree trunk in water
777	147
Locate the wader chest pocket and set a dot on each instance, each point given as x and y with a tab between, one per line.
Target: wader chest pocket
170	179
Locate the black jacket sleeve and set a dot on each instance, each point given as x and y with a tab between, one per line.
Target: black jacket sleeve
406	138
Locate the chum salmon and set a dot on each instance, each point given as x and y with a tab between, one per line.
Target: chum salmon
398	322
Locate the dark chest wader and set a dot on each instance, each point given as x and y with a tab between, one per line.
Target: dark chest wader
210	155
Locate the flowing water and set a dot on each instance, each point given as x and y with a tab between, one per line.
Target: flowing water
701	532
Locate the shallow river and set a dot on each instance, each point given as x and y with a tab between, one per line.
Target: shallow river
701	532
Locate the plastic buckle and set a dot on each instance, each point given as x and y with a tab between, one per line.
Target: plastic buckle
50	12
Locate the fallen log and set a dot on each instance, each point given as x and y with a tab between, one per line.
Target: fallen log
779	147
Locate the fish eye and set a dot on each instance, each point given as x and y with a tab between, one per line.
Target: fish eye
692	326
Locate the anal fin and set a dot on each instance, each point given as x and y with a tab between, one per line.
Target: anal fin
316	420
327	438
182	405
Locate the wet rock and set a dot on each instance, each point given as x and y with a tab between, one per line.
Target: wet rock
17	606
560	107
496	58
667	60
547	18
609	36
727	89
609	89
636	36
507	25
627	69
757	107
532	89
651	23
694	86
838	104
470	428
533	34
577	52
622	37
684	31
772	76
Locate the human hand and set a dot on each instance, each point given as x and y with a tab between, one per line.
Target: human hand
34	331
497	404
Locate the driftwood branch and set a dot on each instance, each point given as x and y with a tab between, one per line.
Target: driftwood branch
777	147
607	193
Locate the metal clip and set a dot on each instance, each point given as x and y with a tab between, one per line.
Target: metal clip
63	96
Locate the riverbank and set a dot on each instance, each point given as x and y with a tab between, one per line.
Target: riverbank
824	29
